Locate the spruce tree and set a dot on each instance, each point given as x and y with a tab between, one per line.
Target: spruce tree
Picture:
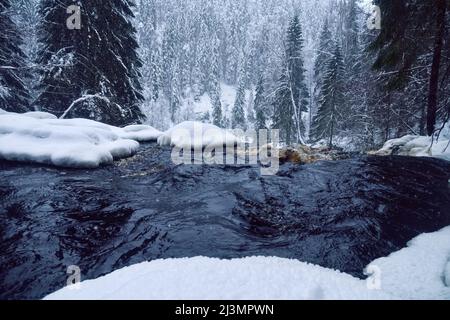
217	111
283	115
353	55
412	36
215	87
327	120
292	94
260	106
97	63
323	56
238	113
250	111
14	96
296	69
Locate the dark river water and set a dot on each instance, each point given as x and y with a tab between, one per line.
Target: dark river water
340	215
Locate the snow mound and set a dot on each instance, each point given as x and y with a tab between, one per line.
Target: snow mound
411	273
255	278
40	115
3	111
141	133
191	134
416	272
75	143
416	146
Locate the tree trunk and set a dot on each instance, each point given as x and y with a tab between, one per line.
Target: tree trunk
331	132
437	55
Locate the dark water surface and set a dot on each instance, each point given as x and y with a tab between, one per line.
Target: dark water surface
340	215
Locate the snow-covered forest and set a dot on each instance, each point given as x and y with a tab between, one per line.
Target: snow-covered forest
312	69
118	153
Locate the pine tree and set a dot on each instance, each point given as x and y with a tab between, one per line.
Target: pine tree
412	37
250	110
351	34
175	95
238	114
155	76
217	111
323	56
353	55
215	93
296	69
99	62
283	115
292	94
328	116
260	106
14	96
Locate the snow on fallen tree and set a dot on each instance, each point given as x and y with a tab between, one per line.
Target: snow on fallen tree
99	108
193	135
78	143
40	115
416	146
414	272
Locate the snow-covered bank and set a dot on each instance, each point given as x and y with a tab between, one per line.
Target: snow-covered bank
80	143
41	138
416	272
416	146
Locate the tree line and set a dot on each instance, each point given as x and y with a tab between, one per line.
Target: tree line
314	71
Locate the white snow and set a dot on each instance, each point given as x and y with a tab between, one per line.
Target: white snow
252	278
41	138
141	133
192	109
417	146
40	115
192	134
415	272
447	274
227	100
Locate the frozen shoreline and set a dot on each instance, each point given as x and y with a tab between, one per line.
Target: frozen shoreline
414	273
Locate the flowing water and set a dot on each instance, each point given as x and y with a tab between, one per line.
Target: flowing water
340	215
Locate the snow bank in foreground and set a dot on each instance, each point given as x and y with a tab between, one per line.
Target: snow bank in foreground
41	138
205	278
412	273
416	146
417	271
191	134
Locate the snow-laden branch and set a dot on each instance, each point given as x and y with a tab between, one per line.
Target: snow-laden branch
83	98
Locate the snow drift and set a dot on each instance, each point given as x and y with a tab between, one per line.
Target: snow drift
191	134
80	143
411	273
416	146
